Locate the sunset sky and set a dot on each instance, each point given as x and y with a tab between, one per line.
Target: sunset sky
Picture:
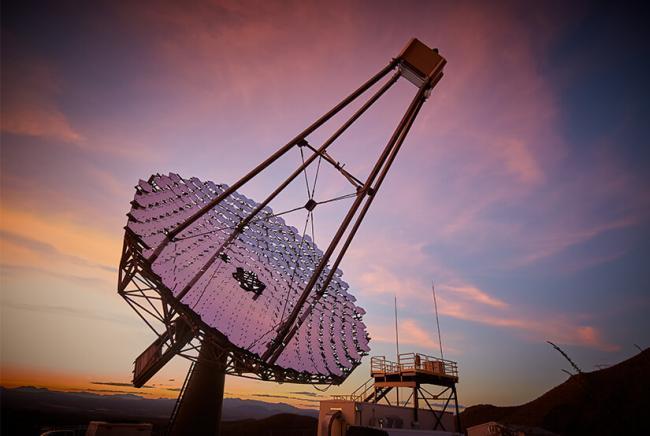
523	190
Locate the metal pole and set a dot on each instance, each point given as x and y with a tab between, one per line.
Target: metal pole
284	332
415	407
457	410
284	184
399	367
435	304
396	331
376	188
275	156
371	198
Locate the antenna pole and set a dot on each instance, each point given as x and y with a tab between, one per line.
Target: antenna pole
397	346
396	331
435	305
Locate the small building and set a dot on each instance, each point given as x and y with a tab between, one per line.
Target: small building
369	406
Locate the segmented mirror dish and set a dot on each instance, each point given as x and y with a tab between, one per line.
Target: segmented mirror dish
254	283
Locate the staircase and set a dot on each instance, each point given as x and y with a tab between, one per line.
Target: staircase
377	394
177	405
366	393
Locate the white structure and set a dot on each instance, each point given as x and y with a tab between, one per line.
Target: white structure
336	416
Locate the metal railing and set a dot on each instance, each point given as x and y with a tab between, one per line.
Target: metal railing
380	365
360	394
410	362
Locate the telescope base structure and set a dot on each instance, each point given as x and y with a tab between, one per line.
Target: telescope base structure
198	410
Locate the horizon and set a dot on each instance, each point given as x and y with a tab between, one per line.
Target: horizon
227	395
522	190
122	394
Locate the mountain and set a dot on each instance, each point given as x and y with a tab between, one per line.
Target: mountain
605	402
26	410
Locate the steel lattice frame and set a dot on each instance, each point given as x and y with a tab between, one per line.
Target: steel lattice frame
155	305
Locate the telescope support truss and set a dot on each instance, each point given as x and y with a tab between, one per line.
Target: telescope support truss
181	331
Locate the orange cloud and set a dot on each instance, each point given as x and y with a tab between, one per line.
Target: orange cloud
57	245
12	376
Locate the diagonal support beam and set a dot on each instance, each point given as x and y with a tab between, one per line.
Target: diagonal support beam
376	177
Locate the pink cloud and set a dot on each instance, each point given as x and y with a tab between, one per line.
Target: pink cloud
458	298
29	104
536	325
413	337
474	294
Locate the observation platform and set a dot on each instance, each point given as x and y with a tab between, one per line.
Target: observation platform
413	369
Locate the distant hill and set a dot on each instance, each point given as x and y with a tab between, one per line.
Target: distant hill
610	401
26	410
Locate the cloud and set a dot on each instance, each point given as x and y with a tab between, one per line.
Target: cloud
104	391
17	271
118	384
29	101
541	248
67	311
286	397
457	298
521	162
532	324
244	40
49	250
413	334
474	294
306	393
57	245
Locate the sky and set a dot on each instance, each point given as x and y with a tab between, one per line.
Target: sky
522	190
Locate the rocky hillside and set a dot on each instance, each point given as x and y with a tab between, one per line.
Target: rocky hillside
610	401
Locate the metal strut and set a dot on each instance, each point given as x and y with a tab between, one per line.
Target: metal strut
286	332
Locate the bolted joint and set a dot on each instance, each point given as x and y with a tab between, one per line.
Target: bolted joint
310	205
362	190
